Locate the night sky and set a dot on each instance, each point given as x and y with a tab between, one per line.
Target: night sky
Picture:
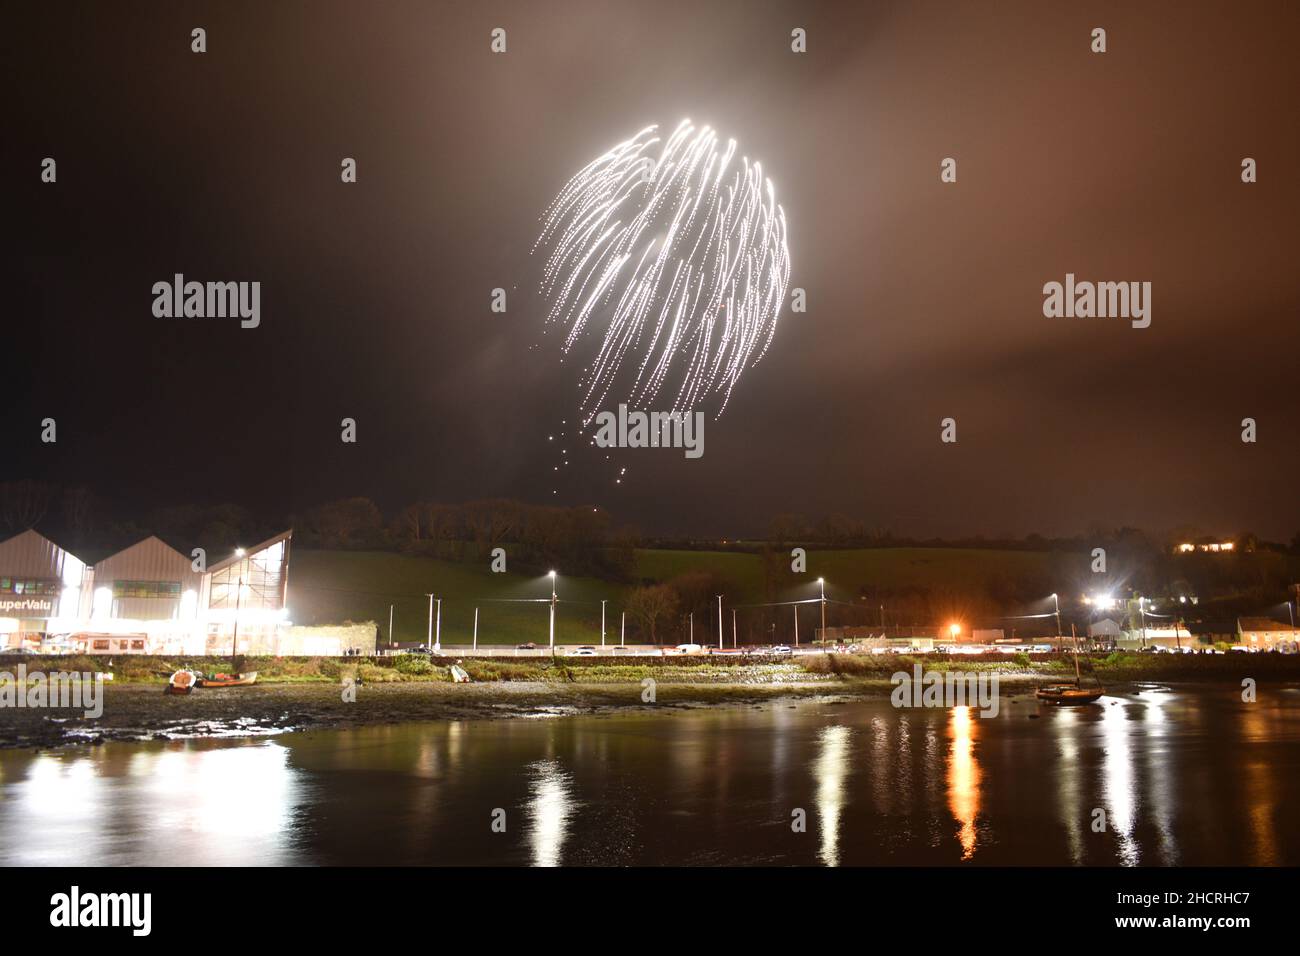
924	299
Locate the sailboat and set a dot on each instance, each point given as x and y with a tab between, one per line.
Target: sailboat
1074	693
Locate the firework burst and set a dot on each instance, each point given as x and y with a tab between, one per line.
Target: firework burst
671	255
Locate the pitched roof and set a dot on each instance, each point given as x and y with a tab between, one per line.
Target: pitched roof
249	552
1263	624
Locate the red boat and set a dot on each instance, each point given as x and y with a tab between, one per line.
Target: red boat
229	680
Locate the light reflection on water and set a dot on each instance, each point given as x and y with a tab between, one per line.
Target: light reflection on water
1186	777
548	811
831	770
963	777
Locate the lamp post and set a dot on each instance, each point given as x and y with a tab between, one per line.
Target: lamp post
602	623
734	645
239	594
622	630
821	582
1057	601
437	628
475	628
719	622
796	625
390	624
428	642
553	598
234	643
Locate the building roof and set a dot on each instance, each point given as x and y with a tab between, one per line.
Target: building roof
1262	624
149	560
31	554
249	552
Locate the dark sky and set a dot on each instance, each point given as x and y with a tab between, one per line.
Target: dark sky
924	299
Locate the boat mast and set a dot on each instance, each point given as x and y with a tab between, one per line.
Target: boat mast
1078	681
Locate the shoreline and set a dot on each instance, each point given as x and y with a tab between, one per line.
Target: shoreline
139	711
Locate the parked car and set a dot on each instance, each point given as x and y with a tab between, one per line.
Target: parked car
782	650
526	646
585	652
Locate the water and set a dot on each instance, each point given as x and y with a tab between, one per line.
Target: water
1184	777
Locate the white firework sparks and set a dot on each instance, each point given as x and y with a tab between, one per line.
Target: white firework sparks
680	251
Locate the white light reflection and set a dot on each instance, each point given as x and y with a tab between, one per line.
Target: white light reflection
831	770
1068	780
1117	784
551	806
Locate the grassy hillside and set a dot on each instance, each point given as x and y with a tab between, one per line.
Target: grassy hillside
335	586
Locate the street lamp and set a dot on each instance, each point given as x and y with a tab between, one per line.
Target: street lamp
719	622
434	640
553	599
1057	601
821	582
602	623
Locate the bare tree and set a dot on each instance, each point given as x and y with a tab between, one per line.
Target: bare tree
23	503
77	511
649	605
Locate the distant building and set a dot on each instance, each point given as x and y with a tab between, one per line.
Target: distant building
1266	634
1207	545
1105	630
144	599
147	599
40	585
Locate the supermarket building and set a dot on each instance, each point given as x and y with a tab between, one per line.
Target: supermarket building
145	599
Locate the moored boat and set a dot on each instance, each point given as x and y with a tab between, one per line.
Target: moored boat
181	682
1075	693
1068	694
228	680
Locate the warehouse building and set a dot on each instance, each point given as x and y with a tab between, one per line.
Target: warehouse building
150	599
144	599
246	599
40	588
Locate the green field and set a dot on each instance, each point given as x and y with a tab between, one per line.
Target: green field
330	587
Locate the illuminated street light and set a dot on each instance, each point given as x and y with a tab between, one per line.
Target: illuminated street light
822	584
954	629
553	599
1057	601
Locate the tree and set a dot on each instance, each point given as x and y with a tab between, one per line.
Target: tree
346	522
77	512
23	503
649	605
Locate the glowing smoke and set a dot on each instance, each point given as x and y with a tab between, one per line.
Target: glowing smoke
673	255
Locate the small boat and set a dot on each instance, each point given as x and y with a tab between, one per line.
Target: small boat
228	680
1069	694
458	674
182	682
